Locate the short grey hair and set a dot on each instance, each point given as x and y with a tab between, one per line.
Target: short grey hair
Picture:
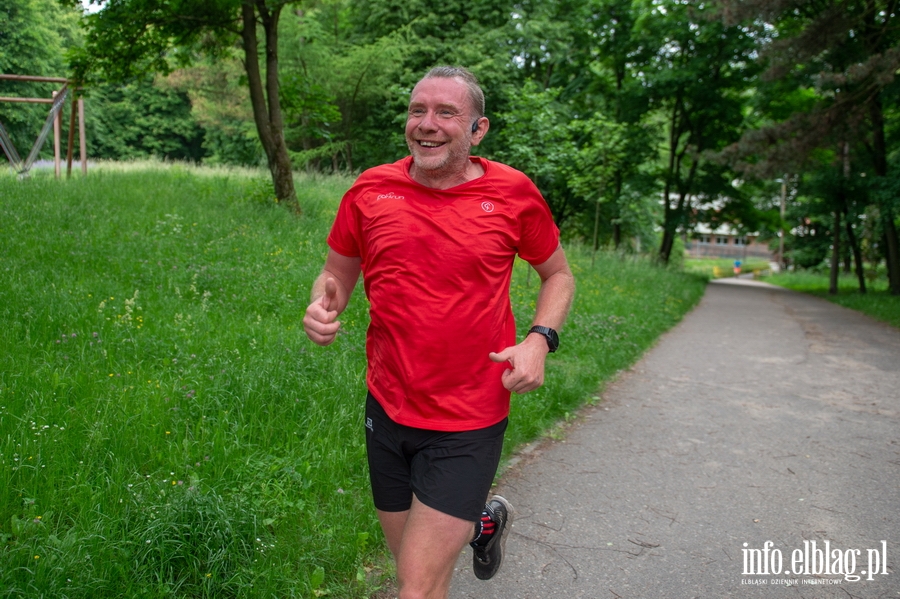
476	95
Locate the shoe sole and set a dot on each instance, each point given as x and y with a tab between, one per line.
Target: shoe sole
510	515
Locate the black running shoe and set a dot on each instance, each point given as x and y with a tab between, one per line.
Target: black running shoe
486	560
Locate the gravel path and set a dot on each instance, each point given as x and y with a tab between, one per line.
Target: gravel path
765	416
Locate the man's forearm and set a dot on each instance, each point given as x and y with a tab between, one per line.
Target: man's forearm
345	272
554	300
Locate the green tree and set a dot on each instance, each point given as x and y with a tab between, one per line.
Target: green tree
534	137
599	159
475	34
141	119
844	55
335	82
131	38
33	37
644	75
220	103
604	76
697	81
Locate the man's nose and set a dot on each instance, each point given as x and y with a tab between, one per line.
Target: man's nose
428	122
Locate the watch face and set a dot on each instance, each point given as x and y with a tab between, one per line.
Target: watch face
549	334
553	338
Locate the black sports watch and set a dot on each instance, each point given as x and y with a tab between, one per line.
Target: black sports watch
549	334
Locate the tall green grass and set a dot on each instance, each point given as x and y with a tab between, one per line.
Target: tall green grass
165	427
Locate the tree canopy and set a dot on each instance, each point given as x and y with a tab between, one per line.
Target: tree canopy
133	38
34	36
835	64
640	120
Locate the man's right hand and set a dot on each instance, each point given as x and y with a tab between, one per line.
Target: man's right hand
320	322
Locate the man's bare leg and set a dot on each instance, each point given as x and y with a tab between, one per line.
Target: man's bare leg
426	544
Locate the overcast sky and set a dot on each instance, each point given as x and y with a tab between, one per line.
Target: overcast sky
90	7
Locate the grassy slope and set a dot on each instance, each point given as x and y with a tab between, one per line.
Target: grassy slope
165	427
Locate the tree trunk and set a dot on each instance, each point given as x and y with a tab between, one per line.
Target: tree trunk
668	238
267	104
596	231
892	252
835	253
617	194
665	250
879	154
666	245
851	236
669	230
857	252
673	219
676	218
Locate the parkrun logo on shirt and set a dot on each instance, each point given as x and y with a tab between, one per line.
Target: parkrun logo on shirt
487	206
389	196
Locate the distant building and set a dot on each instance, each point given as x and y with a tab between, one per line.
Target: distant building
725	242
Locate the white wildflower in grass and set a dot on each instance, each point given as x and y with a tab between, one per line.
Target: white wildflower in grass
131	306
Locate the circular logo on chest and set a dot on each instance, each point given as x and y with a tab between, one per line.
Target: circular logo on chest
487	206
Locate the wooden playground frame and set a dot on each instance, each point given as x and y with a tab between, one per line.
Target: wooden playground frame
77	107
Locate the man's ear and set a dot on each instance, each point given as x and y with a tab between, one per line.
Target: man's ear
479	130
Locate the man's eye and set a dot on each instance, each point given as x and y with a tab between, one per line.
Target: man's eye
416	112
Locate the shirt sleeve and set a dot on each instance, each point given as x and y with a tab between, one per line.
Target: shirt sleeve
538	234
344	236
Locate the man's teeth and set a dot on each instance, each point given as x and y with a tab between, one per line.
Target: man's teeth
430	144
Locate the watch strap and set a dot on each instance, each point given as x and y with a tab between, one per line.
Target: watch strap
549	334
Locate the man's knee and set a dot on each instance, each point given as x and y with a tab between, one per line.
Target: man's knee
424	589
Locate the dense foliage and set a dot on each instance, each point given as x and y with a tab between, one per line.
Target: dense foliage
639	119
34	35
831	69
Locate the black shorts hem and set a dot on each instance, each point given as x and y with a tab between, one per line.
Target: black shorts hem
451	510
393	508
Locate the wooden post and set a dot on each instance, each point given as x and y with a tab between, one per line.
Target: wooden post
70	148
57	122
32	78
27	100
81	136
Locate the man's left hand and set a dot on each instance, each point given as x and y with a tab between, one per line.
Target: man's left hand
526	364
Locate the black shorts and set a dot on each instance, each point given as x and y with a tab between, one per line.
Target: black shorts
449	472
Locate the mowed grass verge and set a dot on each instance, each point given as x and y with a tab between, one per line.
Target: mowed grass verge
877	302
166	429
716	268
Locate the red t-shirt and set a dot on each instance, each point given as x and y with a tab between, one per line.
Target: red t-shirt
436	269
